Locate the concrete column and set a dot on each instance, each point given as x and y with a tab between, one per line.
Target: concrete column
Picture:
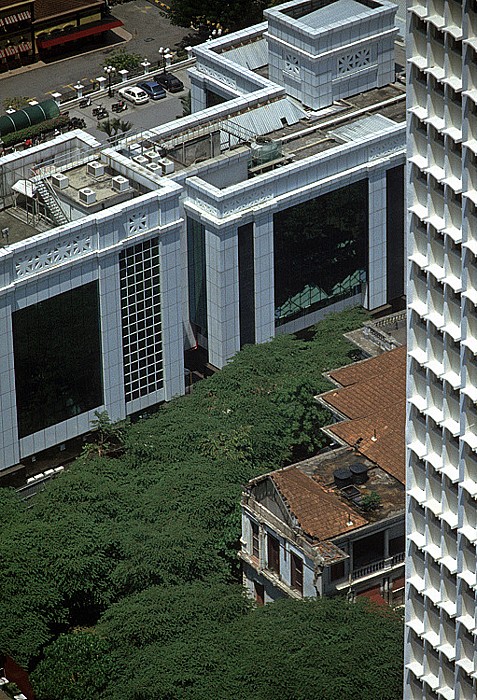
124	75
171	313
111	337
101	80
146	66
264	278
221	255
79	90
10	452
377	277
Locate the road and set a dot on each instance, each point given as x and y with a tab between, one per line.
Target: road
145	30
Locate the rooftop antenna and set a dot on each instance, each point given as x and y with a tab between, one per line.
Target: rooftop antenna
374	438
5	234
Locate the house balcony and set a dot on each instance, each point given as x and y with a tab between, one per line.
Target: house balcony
376	568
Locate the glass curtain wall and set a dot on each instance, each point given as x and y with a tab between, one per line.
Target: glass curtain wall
320	251
57	355
196	276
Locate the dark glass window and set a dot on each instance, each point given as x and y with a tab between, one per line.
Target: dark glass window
337	571
273	554
297	573
57	355
255	541
196	271
320	251
395	232
246	285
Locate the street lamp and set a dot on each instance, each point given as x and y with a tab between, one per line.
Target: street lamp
109	70
165	54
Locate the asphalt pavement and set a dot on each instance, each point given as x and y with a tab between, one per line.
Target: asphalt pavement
141	117
144	31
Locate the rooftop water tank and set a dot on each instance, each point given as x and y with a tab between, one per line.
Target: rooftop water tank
359	473
342	477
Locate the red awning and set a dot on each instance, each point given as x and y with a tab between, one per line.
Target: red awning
79	34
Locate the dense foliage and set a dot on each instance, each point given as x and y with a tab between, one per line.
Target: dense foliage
231	15
138	552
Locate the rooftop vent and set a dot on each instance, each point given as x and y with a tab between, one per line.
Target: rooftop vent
152	155
60	181
95	169
342	477
359	473
167	166
155	167
120	183
87	195
140	160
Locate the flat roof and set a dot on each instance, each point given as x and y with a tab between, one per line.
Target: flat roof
338	12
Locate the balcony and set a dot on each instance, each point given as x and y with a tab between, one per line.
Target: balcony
378	566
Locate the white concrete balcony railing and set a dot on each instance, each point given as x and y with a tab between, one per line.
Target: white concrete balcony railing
378	566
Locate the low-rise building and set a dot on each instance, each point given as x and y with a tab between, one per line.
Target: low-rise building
335	523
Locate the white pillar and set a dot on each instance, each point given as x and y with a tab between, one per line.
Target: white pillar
10	452
101	80
376	294
111	336
223	328
146	65
171	313
79	90
124	75
264	278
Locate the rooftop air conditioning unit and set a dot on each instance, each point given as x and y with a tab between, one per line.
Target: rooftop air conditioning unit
60	181
167	166
120	183
95	168
155	167
87	195
152	155
140	160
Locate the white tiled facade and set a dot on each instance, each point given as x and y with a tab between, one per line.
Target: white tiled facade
205	230
440	657
86	250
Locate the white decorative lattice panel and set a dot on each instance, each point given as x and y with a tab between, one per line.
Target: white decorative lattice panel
43	258
354	61
137	223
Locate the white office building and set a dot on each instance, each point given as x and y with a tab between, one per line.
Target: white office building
279	199
442	343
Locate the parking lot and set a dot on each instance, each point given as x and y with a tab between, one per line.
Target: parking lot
141	117
144	31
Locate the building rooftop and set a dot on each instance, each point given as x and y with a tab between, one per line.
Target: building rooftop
372	398
325	510
338	12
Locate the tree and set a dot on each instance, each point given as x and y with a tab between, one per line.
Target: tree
113	126
15	102
122	60
142	546
76	666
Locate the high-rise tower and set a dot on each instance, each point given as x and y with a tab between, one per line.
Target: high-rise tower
442	342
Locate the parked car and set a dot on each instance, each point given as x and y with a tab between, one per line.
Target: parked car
170	82
134	95
152	89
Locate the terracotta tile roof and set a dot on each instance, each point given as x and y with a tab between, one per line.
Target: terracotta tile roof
319	513
374	398
367	369
52	8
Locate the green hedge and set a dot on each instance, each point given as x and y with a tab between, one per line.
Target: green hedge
35	130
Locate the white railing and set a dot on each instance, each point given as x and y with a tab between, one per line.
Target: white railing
376	566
